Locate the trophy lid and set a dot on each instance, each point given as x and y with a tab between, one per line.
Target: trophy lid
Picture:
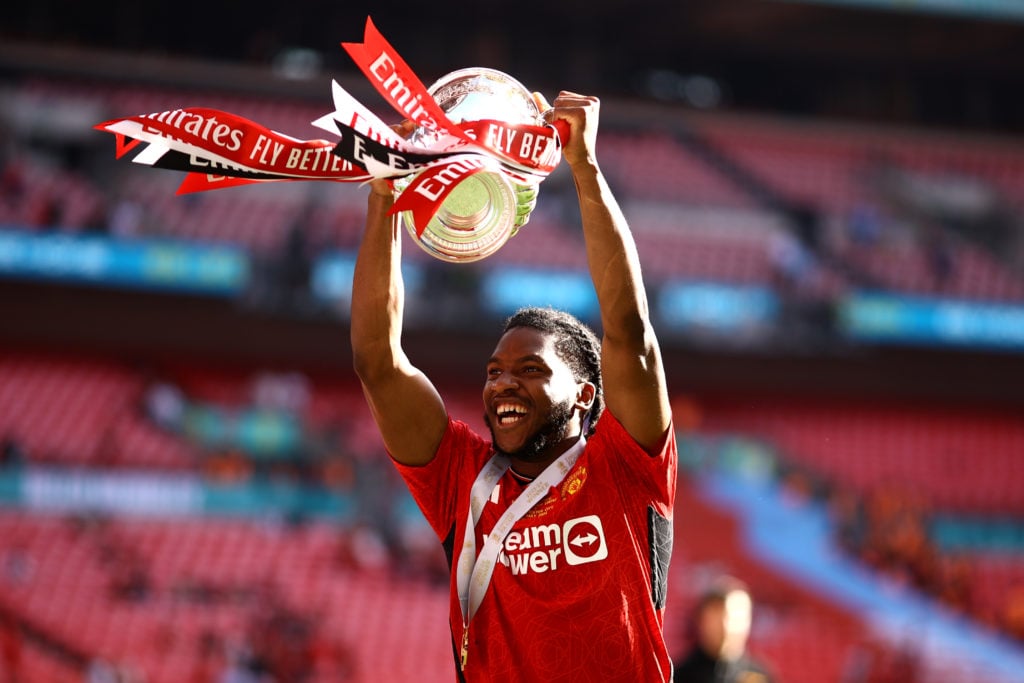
481	93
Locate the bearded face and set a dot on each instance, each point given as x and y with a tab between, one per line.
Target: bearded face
536	446
532	400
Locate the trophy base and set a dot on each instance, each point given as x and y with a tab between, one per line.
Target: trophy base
473	222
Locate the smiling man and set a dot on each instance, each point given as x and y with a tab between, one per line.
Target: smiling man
536	396
558	529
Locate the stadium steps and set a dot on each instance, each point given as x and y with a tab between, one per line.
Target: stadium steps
794	537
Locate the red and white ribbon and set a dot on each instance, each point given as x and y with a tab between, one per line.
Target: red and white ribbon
217	149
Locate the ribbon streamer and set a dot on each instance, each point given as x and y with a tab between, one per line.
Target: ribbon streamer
217	149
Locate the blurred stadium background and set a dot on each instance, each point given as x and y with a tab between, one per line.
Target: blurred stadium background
827	198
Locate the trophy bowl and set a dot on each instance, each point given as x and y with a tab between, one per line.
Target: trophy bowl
485	209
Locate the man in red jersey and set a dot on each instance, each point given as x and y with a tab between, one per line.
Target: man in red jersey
559	527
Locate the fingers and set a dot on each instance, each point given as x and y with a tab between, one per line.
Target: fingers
547	112
575	107
541	102
567	98
405	128
578	115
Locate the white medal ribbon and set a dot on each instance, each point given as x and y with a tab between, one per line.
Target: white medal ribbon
474	572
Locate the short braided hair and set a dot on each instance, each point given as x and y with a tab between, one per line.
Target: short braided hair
575	343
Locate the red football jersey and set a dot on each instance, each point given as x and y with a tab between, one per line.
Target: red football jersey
579	589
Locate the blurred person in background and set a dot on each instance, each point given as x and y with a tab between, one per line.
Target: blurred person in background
720	627
571	507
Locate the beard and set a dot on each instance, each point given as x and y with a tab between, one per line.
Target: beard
536	447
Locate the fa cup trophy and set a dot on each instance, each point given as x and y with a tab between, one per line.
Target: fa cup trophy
487	208
465	181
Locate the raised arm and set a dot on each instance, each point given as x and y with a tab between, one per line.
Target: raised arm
409	412
634	378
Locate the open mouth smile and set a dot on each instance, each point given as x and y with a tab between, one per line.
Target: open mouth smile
509	414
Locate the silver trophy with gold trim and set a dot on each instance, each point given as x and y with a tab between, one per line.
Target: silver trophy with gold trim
485	209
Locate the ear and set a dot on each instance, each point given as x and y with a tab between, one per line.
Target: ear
585	395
